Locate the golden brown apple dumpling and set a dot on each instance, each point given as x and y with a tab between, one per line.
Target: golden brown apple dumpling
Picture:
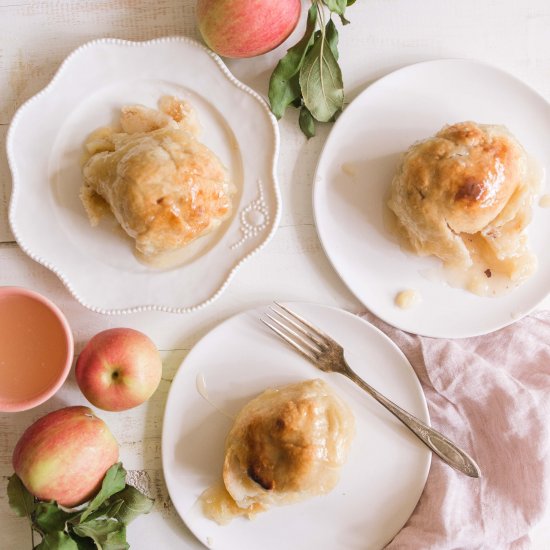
286	445
465	196
164	187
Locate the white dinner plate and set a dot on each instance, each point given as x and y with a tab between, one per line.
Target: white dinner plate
355	172
44	146
387	467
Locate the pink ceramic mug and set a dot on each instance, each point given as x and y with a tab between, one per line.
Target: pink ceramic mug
36	349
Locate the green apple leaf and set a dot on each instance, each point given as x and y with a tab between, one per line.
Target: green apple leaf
114	506
284	85
336	6
83	543
50	518
307	122
58	540
99	525
344	20
134	503
107	510
321	82
19	498
113	482
331	36
107	534
309	75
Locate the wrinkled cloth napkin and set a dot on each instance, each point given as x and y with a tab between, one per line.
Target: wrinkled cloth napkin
491	395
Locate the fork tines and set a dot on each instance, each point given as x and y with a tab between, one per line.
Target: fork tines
304	337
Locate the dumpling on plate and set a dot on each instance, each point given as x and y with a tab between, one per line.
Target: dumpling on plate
164	187
465	196
286	445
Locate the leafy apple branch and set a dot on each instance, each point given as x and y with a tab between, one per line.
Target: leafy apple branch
309	76
99	525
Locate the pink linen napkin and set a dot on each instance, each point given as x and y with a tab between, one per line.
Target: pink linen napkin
491	395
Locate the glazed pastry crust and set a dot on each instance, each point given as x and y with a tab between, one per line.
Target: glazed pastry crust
467	191
163	186
287	444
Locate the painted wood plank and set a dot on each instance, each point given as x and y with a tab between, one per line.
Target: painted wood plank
384	34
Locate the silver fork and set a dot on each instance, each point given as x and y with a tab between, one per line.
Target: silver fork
328	355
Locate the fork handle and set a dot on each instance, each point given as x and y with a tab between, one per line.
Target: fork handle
436	441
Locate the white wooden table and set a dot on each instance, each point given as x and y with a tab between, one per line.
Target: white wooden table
36	35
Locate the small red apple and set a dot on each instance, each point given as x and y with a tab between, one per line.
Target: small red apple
118	369
245	28
64	456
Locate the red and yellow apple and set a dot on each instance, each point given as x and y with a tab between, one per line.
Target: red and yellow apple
64	456
245	28
118	369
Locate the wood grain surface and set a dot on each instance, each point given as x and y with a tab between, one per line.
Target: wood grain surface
35	37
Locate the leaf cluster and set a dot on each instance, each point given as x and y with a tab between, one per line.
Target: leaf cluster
309	76
98	525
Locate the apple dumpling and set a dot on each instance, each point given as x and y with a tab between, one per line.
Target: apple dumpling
164	187
465	196
285	445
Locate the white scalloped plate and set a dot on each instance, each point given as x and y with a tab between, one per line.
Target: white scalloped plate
44	147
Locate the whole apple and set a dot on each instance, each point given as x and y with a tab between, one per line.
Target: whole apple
64	456
245	28
118	369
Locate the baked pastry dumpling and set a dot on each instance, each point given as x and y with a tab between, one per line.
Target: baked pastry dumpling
164	187
465	196
285	445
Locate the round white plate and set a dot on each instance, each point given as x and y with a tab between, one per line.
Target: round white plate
44	146
387	467
355	172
